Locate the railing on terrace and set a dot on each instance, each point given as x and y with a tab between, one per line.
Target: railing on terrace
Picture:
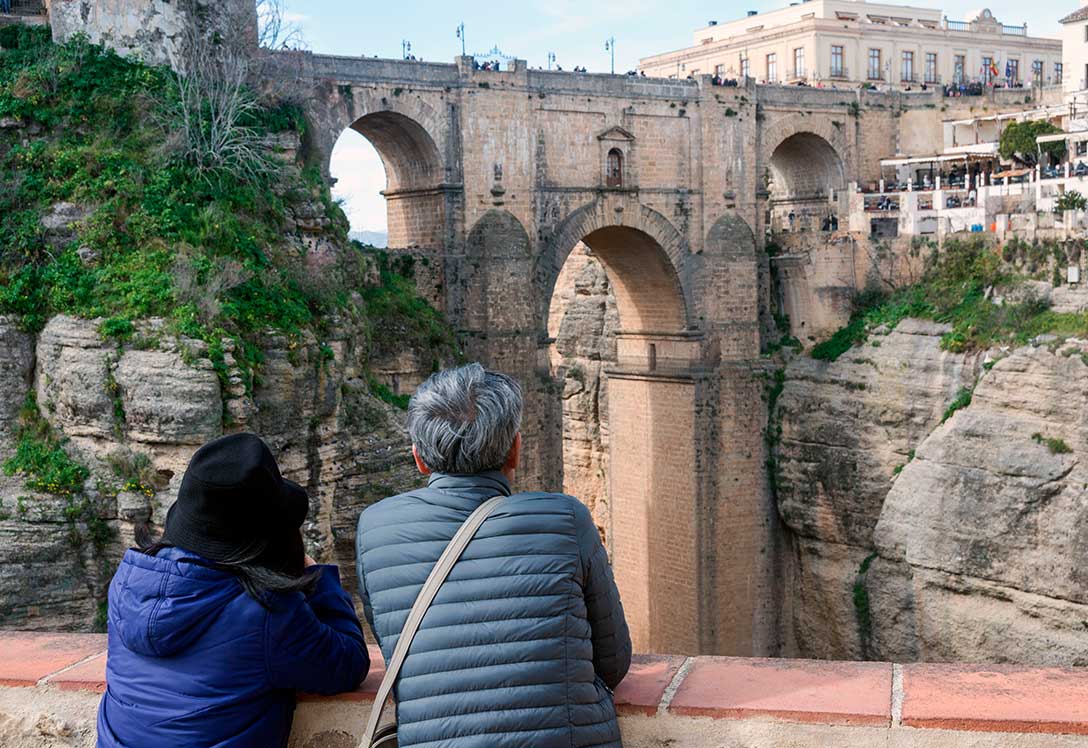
958	25
839	73
22	7
1014	30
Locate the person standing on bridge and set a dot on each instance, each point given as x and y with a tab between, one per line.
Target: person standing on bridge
526	637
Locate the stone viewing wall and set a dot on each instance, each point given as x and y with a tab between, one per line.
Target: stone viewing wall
50	686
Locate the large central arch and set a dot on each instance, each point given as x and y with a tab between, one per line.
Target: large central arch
651	415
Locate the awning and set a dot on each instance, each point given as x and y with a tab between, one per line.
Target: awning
984	149
1011	173
1068	137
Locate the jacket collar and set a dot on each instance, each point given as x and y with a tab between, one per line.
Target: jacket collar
491	483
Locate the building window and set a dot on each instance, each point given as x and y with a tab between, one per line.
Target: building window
745	67
614	176
1037	70
1012	71
772	67
1057	72
799	62
959	64
931	67
1086	33
874	65
719	70
906	72
836	62
987	69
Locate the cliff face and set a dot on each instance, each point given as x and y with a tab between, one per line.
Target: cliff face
583	320
916	540
133	414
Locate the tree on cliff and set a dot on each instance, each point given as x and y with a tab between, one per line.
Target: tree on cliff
1018	141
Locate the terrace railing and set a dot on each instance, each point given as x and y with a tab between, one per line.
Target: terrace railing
22	7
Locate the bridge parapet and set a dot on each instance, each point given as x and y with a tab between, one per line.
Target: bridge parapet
50	685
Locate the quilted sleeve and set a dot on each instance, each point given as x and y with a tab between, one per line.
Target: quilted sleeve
611	638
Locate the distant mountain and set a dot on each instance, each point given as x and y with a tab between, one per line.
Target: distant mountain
373	238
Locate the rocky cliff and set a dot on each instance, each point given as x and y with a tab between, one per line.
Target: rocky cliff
133	413
583	320
935	500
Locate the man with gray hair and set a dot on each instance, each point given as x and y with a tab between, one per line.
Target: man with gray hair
526	639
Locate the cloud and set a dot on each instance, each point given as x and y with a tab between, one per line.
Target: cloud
360	177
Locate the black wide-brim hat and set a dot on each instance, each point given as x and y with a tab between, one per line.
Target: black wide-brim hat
233	503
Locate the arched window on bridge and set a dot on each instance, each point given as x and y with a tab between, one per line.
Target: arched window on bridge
614	174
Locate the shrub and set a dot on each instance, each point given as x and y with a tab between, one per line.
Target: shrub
1070	200
40	457
960	401
1056	446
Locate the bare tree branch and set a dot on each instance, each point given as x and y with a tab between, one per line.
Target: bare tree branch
274	29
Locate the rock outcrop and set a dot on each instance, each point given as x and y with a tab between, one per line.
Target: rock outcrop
584	320
918	538
846	428
983	536
151	402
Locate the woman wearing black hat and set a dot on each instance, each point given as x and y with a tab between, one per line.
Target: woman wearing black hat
212	628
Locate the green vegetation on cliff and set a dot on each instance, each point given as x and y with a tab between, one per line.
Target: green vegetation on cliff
211	245
957	289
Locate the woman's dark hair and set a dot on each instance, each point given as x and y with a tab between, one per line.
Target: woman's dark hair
261	574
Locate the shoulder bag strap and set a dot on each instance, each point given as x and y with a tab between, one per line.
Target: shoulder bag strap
423	601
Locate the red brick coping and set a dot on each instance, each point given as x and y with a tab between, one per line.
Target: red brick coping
977	698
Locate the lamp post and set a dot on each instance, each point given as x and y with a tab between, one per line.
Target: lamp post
405	48
551	59
461	36
610	46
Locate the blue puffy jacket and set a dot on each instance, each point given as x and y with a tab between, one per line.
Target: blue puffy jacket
195	661
524	640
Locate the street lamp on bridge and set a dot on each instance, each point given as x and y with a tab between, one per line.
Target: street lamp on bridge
405	48
610	46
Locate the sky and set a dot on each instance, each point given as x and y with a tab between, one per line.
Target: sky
575	30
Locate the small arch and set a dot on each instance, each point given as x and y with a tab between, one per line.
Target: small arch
805	166
614	168
496	282
415	200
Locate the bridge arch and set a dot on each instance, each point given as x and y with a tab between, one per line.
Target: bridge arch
409	138
806	156
643	255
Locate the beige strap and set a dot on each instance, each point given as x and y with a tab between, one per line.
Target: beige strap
423	601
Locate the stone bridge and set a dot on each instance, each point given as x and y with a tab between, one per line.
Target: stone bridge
495	177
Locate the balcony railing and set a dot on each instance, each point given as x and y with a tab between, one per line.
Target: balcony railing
796	75
958	26
22	7
1014	30
839	73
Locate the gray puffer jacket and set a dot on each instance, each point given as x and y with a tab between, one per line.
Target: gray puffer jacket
526	638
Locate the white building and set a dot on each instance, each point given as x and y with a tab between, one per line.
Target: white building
827	41
1075	53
